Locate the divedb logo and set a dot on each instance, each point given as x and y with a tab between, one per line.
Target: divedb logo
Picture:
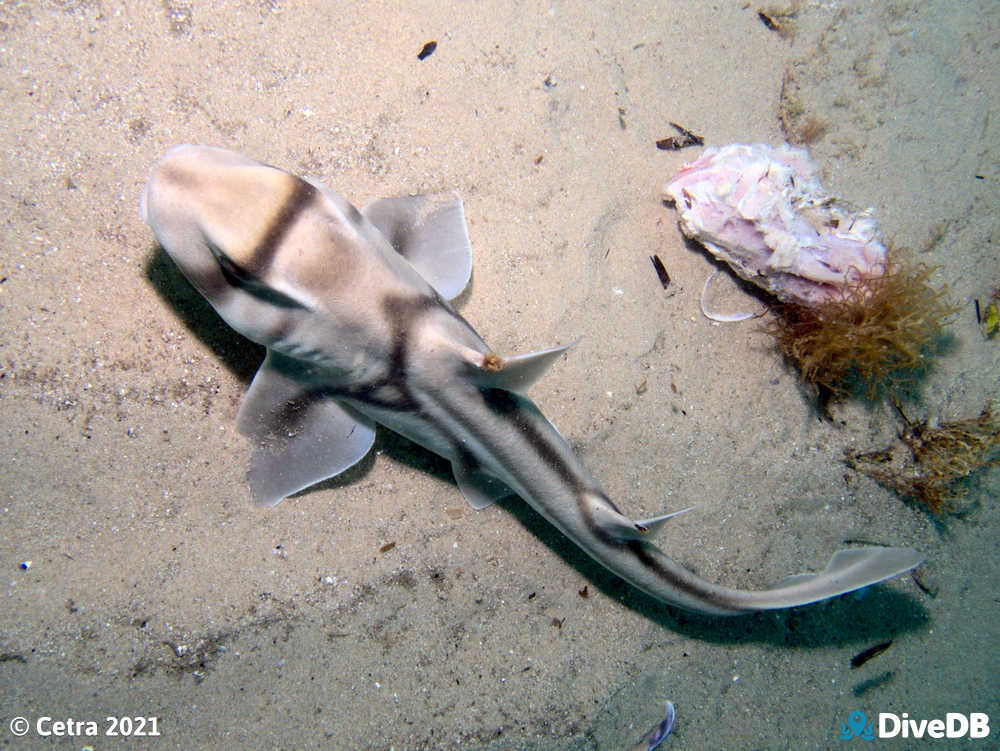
973	725
954	725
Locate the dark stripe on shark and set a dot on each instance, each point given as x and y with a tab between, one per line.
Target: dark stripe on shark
686	582
391	390
240	278
260	259
517	410
249	277
510	406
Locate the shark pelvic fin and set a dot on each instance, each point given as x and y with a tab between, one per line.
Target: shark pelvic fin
479	487
302	434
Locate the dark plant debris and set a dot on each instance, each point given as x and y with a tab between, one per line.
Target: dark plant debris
868	654
661	271
767	21
686	138
780	20
929	588
427	50
988	318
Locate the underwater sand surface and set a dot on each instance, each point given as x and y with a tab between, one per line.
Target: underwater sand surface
377	611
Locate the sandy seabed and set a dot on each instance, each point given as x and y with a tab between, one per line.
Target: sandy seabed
377	611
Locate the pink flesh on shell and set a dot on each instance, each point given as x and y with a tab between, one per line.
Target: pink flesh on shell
763	211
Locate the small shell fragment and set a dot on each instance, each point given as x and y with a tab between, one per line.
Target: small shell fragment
658	732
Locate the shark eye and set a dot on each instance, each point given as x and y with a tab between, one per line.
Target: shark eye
238	277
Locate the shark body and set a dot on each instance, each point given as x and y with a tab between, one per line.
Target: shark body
352	307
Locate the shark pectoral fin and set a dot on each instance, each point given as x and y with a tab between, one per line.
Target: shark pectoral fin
652	526
847	570
518	373
479	487
428	231
302	434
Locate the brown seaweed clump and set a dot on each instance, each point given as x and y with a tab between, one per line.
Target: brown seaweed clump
940	459
875	334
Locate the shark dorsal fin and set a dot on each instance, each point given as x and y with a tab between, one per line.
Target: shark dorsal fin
517	373
650	527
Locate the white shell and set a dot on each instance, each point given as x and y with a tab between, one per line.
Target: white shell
763	211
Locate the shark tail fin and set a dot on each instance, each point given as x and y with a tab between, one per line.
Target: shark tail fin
847	571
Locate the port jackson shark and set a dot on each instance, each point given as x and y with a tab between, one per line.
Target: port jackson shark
352	307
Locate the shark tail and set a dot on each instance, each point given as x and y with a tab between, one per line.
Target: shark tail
847	571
